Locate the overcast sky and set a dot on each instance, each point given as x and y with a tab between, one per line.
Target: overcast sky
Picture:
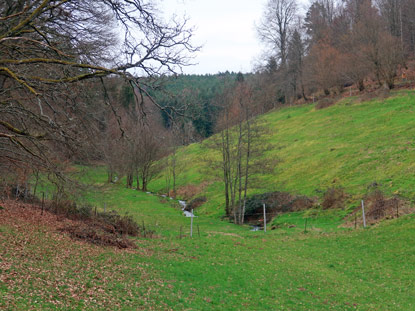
225	28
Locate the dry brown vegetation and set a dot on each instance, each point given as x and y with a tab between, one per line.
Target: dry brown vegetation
334	198
43	268
189	191
106	229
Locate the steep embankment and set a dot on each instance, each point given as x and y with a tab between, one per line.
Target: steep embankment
352	144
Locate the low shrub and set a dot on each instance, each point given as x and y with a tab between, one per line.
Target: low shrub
96	235
189	191
103	228
118	224
380	93
276	203
334	198
325	103
378	206
195	203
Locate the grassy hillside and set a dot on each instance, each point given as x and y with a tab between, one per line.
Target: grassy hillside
351	144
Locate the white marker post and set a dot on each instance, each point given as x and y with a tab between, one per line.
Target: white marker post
191	224
364	216
265	219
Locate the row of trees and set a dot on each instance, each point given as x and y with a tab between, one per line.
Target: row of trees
337	43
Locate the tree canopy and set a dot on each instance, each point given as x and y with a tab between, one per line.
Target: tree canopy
54	56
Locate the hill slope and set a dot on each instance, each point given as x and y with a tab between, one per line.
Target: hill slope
352	144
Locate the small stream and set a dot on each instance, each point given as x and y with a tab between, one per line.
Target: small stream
182	203
186	213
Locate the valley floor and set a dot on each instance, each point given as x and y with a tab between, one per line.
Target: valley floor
226	268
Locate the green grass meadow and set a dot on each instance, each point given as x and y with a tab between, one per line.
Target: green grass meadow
325	266
225	268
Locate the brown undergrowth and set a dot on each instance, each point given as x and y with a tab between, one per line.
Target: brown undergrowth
42	268
189	191
378	207
107	229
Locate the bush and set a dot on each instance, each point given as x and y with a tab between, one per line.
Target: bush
97	236
112	222
380	93
195	203
378	206
334	198
276	202
325	103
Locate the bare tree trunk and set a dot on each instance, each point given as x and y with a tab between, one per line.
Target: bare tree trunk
248	155
110	175
361	85
144	183
239	172
225	169
174	171
129	180
36	182
137	180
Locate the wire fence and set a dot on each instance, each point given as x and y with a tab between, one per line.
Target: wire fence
274	220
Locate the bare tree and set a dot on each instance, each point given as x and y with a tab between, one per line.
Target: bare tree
275	26
296	49
240	148
48	105
381	50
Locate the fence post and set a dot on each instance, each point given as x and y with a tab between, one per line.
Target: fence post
363	212
265	219
191	225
